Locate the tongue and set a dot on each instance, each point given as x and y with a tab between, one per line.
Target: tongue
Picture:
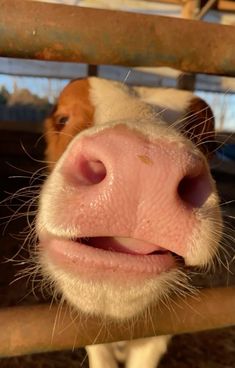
124	245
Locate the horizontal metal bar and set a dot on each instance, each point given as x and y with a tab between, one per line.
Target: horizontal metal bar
226	5
175	2
65	33
38	68
136	76
223	5
41	328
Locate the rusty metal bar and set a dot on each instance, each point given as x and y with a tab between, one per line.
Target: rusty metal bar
223	5
226	5
175	2
35	329
65	33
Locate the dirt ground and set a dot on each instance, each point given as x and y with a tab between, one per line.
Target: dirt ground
213	349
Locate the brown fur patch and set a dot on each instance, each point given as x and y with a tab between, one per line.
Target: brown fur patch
199	125
72	114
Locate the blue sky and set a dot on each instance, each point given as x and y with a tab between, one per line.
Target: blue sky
222	104
223	107
39	86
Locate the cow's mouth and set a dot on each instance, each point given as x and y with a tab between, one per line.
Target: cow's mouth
109	256
122	245
119	245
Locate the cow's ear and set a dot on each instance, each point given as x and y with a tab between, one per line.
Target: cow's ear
199	125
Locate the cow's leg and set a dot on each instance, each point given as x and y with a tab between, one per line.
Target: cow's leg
101	356
147	352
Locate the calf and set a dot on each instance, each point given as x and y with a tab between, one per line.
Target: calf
129	203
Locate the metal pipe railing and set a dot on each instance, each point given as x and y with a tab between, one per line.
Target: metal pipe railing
41	328
44	31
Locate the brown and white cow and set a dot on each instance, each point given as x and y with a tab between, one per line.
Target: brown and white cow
129	203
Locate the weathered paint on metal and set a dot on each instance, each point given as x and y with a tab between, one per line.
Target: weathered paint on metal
41	328
66	33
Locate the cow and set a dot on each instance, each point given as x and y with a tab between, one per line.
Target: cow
129	206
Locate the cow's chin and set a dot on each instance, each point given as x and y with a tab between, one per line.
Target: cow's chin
118	301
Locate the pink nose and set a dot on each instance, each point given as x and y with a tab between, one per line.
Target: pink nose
126	185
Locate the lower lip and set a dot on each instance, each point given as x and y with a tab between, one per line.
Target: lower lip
89	262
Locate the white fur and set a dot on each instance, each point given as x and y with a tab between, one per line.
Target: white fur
107	301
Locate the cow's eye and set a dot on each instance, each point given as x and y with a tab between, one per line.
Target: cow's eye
62	120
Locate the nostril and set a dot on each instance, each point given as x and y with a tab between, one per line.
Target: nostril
194	190
90	171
